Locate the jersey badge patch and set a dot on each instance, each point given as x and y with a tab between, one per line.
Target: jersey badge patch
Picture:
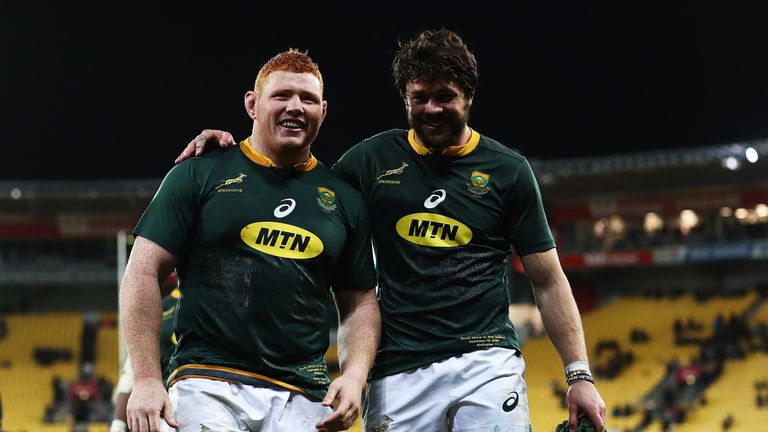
391	172
326	198
232	181
479	183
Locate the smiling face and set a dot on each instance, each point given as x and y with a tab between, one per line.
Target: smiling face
438	111
287	113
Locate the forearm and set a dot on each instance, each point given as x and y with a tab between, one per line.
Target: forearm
358	335
562	322
558	309
141	317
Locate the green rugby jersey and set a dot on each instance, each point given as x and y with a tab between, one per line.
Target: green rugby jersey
259	248
167	337
443	226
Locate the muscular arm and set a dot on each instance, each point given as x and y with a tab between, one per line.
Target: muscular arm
358	339
562	322
556	304
141	316
359	331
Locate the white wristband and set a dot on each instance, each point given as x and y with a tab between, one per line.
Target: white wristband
118	426
577	365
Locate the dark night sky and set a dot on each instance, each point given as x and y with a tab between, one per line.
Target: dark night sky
114	91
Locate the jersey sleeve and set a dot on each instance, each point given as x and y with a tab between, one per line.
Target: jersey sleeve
528	230
170	217
350	168
355	268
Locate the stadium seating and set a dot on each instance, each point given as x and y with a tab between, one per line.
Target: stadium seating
107	362
30	384
732	394
614	321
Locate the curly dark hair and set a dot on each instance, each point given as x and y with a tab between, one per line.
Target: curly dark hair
436	55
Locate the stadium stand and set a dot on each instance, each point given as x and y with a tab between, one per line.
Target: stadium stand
646	239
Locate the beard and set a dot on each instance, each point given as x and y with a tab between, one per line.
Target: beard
451	126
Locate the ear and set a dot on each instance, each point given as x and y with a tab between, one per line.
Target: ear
325	108
250	104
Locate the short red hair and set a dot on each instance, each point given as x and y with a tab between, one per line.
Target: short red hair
288	61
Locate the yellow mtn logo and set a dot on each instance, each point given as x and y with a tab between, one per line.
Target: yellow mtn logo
282	240
429	229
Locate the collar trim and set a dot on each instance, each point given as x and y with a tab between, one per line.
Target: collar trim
260	159
459	150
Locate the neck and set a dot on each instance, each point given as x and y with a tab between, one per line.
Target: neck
462	139
282	158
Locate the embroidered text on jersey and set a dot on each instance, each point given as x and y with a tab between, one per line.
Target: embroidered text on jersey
391	172
236	180
478	183
285	209
429	229
282	240
326	198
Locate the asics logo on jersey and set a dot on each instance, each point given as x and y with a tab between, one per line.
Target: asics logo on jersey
391	172
511	402
436	198
382	427
429	229
282	240
236	180
284	210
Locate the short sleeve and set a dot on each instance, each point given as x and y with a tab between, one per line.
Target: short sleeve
170	218
528	229
355	268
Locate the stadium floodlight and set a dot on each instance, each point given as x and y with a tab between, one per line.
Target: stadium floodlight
751	154
731	163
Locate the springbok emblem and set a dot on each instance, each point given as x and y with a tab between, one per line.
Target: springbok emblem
393	171
227	182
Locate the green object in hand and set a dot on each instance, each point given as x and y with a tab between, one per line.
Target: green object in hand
585	425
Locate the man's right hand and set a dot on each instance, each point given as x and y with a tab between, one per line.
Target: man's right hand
148	400
196	146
